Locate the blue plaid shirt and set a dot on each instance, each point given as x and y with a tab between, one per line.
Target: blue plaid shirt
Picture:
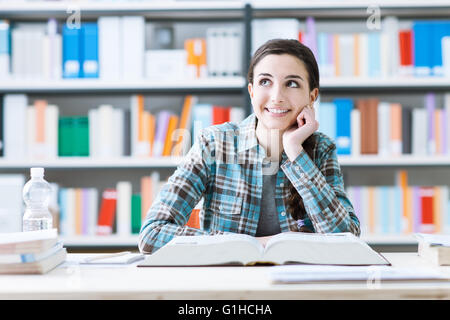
224	167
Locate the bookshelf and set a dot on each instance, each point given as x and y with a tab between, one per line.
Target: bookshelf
241	12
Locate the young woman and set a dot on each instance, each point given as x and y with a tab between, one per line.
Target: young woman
271	173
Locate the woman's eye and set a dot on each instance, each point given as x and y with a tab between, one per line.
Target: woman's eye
264	82
292	84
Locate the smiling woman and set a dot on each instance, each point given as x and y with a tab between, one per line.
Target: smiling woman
250	174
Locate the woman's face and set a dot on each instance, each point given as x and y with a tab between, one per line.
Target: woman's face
280	90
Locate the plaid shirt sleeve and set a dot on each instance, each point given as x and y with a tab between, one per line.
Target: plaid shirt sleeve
323	193
172	207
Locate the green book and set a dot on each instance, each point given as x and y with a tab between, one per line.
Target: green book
136	213
81	137
65	136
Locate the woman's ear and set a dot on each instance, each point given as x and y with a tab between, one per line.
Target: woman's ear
250	90
313	95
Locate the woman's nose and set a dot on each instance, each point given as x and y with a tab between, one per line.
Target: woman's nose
277	94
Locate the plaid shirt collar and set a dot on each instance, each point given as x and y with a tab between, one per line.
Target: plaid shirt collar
247	136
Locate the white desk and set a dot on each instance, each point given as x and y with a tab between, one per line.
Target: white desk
131	282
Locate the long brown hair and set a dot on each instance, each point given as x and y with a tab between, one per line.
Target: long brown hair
295	205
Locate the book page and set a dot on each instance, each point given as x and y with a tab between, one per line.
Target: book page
238	249
333	249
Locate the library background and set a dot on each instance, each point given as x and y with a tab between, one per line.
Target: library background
102	93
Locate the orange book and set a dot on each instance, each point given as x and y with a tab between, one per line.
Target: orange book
408	209
151	131
40	106
201	66
191	60
356	55
146	195
396	128
194	219
107	213
141	135
78	212
173	122
437	218
337	56
183	131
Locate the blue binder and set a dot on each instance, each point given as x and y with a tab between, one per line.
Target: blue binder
344	108
90	64
71	52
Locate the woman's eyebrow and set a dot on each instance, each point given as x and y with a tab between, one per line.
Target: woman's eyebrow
294	76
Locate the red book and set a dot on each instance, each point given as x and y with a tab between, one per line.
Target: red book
405	45
107	213
426	195
220	115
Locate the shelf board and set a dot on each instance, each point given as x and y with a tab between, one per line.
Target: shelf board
234	84
95	85
402	161
172	162
132	240
152	9
93	163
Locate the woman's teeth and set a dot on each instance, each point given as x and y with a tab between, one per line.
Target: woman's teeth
277	110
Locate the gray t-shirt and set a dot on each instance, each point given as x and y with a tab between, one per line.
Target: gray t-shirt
268	223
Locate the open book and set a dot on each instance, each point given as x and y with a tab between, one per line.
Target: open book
283	248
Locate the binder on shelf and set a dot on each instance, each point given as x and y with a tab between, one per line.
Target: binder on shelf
90	63
109	48
161	132
133	47
14	125
5	50
171	127
343	127
124	193
135	213
71	52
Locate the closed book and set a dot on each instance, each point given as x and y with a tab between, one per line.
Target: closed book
161	131
430	107
71	52
29	257
426	195
135	213
384	128
80	136
184	137
109	48
369	125
65	136
406	130
90	63
343	127
422	48
327	119
14	125
27	242
201	119
107	214
434	248
396	129
374	50
124	191
420	132
133	47
406	52
36	267
171	127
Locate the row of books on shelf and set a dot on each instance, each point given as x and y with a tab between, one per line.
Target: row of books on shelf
113	48
374	126
36	130
398	48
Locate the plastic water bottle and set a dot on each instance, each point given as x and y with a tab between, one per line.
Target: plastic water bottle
36	195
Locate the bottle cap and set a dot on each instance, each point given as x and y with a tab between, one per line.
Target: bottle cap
37	172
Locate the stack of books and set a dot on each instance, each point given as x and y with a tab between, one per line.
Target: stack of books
30	252
434	247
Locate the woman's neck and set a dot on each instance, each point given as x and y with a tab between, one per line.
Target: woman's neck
271	140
